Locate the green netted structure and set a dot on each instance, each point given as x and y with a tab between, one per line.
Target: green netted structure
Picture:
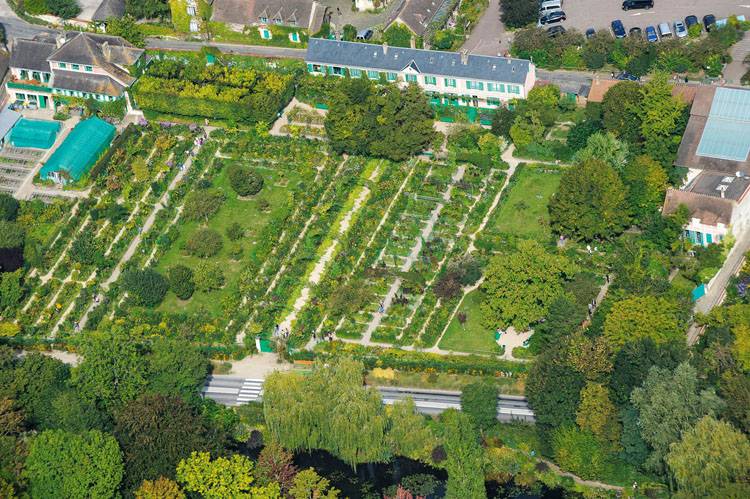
80	150
37	134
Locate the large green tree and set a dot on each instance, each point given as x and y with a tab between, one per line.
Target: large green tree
520	287
177	368
464	456
37	380
604	147
70	465
646	181
640	317
479	401
590	203
668	404
598	415
712	458
221	477
620	111
113	370
155	432
408	435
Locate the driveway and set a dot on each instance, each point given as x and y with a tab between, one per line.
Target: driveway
489	36
598	14
734	70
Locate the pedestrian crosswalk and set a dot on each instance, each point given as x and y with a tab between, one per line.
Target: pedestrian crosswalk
250	391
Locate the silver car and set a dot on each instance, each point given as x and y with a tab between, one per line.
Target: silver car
679	29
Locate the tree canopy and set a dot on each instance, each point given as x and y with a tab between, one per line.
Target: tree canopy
640	317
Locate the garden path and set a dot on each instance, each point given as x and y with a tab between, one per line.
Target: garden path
579	480
320	266
411	258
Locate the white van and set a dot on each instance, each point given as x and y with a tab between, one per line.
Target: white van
665	31
549	6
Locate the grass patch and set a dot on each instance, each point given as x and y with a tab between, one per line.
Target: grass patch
472	336
248	214
440	381
524	212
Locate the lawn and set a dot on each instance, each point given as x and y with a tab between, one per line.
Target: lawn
472	336
247	213
523	213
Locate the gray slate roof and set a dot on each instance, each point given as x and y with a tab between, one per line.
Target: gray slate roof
109	8
31	54
431	62
8	119
417	14
86	82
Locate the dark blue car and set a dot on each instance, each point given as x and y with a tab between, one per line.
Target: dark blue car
651	34
618	29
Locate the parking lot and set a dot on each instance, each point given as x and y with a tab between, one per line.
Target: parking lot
598	14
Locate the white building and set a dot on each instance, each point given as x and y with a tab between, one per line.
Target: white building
450	78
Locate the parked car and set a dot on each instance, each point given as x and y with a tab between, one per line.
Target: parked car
635	32
549	6
618	29
709	21
554	31
625	76
553	17
651	34
365	34
637	4
679	29
691	21
665	31
590	32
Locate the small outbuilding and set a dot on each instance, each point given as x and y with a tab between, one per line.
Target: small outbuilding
78	153
35	134
8	119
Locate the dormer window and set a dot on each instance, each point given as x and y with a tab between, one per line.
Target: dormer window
75	67
263	20
62	65
89	69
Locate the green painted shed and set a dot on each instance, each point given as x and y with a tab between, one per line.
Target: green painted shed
79	151
37	134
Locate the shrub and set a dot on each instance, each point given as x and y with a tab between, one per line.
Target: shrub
204	242
8	207
209	276
147	287
579	452
244	181
235	232
202	204
181	281
85	250
519	13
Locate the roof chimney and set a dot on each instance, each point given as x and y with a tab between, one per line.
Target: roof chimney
106	50
413	42
385	48
464	57
722	193
60	41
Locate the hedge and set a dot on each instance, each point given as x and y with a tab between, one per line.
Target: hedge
405	360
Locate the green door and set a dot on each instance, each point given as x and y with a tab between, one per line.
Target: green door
42	102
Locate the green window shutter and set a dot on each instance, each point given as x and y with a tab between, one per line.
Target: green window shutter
430	80
373	75
309	68
411	78
391	76
355	73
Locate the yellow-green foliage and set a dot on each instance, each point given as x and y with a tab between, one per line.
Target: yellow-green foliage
180	17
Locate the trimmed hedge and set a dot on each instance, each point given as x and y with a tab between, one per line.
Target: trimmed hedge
405	360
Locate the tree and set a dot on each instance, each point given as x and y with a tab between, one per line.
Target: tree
349	33
86	250
598	415
220	478
155	433
604	147
209	276
8	207
146	287
112	372
644	317
443	39
710	457
502	120
37	380
464	456
177	368
275	465
590	203
11	289
202	204
181	281
408	435
553	389
309	485
204	243
578	451
479	401
69	465
668	404
734	388
590	356
579	134
128	28
518	13
398	35
597	49
663	118
67	9
235	232
243	180
620	111
161	488
564	317
11	418
147	9
70	412
646	182
527	129
520	287
11	246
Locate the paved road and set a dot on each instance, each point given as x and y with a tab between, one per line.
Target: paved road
734	71
231	48
232	391
489	37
